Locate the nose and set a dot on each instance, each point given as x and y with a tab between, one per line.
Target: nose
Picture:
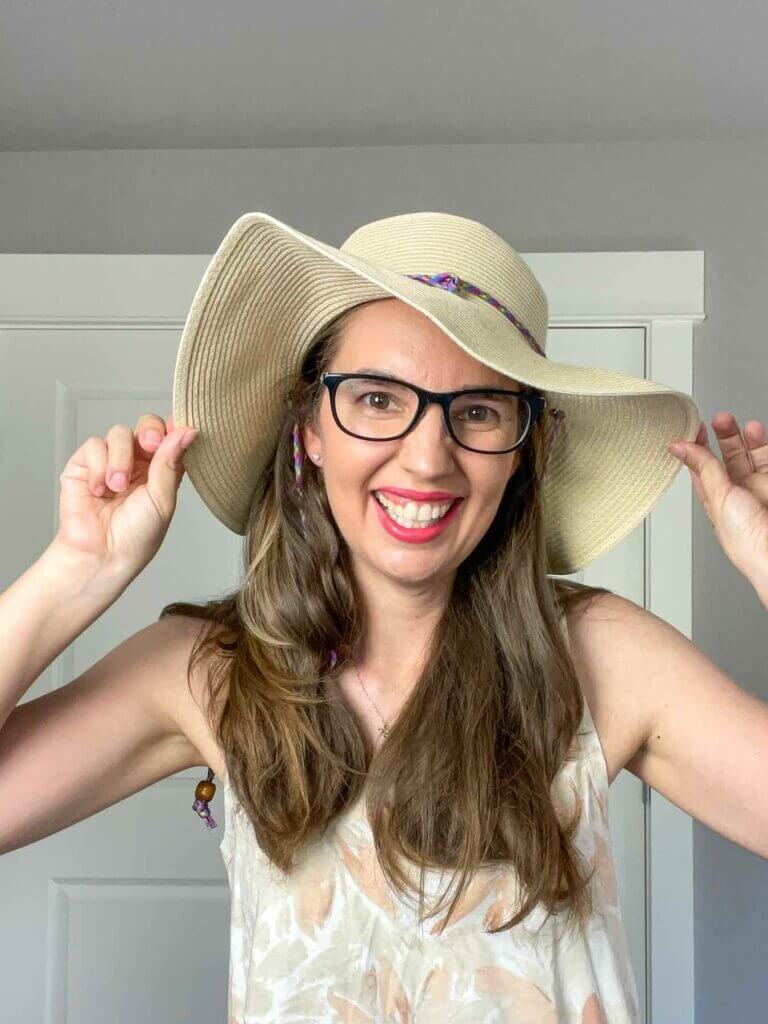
428	446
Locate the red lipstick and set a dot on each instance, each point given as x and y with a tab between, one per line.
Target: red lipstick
415	535
405	492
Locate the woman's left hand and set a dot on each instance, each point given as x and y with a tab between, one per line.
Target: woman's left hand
734	492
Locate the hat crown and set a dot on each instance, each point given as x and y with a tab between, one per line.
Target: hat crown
428	243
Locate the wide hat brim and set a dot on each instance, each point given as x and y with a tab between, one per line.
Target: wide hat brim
269	289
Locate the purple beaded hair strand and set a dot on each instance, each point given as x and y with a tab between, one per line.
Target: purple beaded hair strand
298	465
298	461
557	415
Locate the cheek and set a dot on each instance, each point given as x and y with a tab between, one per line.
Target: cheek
492	484
348	480
489	498
354	467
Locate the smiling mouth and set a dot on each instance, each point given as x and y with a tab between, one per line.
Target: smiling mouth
396	511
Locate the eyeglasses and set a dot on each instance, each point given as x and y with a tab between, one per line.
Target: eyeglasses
487	420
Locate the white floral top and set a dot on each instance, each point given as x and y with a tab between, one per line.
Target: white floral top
333	943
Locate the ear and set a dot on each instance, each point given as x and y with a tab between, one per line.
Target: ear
311	440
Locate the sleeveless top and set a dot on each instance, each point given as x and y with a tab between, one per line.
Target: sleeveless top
333	942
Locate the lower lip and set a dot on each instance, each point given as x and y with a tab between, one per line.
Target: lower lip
414	535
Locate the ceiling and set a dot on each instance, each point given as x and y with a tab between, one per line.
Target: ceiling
183	74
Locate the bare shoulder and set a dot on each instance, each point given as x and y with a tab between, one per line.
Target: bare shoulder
608	636
674	718
185	697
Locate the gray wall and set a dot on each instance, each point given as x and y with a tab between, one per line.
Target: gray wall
542	197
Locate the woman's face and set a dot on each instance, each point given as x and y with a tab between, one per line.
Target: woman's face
390	335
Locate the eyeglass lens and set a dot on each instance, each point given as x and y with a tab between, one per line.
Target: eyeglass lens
383	409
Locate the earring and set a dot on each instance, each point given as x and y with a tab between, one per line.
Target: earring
316	456
204	792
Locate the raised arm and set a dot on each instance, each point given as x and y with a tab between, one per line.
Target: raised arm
703	739
118	727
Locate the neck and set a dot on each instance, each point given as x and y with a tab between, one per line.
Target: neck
399	627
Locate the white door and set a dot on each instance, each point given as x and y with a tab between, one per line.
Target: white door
124	916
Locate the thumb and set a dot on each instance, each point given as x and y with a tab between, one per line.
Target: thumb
167	468
710	477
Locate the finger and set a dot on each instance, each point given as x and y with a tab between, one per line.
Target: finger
120	442
95	454
710	477
150	431
735	455
757	444
166	470
682	446
702	437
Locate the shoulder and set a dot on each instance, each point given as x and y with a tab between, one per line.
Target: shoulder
609	637
185	693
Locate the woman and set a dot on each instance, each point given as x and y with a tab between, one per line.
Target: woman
415	788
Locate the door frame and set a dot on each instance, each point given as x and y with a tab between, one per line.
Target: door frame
662	291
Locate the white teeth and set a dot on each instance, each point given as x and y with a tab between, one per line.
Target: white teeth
413	513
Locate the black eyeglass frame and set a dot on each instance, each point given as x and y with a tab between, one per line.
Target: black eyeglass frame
535	403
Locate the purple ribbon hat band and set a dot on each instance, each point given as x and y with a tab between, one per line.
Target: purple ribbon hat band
453	283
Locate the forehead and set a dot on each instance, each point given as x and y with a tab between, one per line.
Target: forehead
391	335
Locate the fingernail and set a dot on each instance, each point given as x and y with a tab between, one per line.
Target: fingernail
677	450
152	437
188	438
118	481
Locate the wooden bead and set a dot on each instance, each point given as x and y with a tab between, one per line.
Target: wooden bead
205	790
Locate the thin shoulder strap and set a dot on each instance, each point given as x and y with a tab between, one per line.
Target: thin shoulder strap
589	740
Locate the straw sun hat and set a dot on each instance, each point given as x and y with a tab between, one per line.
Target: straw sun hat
269	289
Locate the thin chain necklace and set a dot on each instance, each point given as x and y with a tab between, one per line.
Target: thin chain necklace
384	730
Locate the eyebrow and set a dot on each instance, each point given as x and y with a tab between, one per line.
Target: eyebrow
391	376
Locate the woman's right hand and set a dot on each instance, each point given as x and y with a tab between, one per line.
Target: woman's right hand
122	525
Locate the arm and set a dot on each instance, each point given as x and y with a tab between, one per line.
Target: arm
120	726
704	739
759	581
47	608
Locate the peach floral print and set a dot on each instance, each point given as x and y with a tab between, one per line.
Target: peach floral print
334	943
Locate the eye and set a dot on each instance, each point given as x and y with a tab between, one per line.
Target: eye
483	409
381	394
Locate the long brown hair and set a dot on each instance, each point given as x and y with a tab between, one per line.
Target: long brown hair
463	780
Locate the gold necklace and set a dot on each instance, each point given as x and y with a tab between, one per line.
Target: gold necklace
384	730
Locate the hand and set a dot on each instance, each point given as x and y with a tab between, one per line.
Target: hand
734	493
122	524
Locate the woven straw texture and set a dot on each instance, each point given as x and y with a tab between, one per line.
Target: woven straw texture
269	289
